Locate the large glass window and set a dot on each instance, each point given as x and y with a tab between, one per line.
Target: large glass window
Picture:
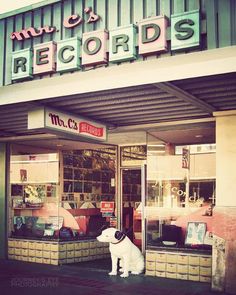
180	194
61	195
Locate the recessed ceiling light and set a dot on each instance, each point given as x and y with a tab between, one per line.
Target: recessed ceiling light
199	136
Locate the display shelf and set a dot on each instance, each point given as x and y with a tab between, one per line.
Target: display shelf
54	252
87	174
193	266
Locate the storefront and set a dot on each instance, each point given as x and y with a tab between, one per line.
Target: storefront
120	113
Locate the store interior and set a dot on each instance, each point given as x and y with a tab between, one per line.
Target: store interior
57	187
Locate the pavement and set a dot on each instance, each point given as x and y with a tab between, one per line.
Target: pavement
87	278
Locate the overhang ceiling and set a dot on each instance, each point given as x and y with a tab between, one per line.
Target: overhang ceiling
188	99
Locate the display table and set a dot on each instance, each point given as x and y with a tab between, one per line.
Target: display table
179	263
55	252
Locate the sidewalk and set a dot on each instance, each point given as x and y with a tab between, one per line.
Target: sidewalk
18	277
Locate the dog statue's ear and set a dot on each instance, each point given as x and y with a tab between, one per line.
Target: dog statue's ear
119	235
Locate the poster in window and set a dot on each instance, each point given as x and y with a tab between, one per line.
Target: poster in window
185	158
195	233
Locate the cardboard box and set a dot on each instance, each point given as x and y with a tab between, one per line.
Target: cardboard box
47	260
160	257
38	246
46	247
171	258
11	251
150	272
78	253
62	255
31	245
182	259
151	265
31	259
32	253
182	268
54	261
24	252
193	260
18	244
193	277
38	260
160	274
39	253
11	243
151	255
62	247
78	246
171	267
47	254
171	275
54	255
55	247
70	254
205	261
70	247
17	251
160	266
205	279
193	269
182	276
205	271
25	244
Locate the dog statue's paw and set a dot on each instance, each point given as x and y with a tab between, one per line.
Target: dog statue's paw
135	272
112	273
124	275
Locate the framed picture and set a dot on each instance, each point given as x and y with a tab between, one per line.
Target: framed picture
195	233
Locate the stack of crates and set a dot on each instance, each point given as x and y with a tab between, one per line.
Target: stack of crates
179	265
56	252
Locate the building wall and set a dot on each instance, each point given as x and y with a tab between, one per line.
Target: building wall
218	22
3	199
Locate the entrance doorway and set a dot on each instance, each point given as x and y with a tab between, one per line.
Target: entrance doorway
131	204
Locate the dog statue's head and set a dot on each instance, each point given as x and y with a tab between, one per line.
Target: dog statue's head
111	235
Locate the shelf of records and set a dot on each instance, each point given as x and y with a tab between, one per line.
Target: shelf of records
56	253
88	172
31	196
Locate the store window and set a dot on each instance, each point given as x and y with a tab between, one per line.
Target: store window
133	155
63	195
180	195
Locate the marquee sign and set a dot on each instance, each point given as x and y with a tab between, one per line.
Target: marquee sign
45	118
148	37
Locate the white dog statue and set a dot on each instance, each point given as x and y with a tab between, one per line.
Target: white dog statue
120	246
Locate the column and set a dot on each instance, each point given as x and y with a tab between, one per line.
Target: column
224	216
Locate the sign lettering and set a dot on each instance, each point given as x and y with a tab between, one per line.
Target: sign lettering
122	44
61	122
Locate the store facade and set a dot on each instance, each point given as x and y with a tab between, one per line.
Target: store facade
121	113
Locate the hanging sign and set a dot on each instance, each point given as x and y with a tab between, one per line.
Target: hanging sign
185	158
53	120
